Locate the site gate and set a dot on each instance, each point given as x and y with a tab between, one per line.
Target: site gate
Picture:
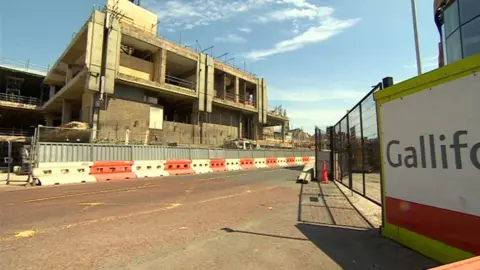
355	148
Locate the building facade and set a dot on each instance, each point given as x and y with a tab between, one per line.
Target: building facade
21	96
122	79
459	26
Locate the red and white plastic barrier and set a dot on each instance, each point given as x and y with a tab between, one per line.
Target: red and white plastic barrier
247	163
101	171
149	168
179	167
218	165
260	162
282	162
271	162
112	170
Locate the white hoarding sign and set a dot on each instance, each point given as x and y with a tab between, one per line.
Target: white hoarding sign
431	146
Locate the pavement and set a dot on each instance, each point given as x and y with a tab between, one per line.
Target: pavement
257	219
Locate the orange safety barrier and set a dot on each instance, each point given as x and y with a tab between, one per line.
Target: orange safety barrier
179	167
272	162
305	159
247	163
218	165
112	170
291	161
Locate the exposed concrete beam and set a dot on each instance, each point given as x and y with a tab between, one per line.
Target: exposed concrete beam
64	89
66	111
68	50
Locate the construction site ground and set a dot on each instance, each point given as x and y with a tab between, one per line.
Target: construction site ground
259	219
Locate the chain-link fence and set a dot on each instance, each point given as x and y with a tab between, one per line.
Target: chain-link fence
356	148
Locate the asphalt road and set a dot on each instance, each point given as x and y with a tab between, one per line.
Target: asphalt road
234	220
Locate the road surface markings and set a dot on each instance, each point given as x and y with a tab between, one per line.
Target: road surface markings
218	177
89	193
147	185
89	205
236	195
31	233
24	234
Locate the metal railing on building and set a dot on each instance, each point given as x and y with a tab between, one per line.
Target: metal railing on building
232	97
20	99
180	82
20	132
26	66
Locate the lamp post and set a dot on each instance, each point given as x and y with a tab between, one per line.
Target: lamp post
415	33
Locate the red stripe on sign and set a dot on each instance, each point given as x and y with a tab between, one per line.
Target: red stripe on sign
452	228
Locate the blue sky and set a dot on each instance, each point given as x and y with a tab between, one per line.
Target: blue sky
319	57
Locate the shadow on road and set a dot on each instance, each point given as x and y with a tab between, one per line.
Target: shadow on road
229	230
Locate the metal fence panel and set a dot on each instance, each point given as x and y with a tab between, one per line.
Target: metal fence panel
63	152
245	154
258	153
356	149
111	152
78	152
141	152
216	153
199	153
177	153
232	154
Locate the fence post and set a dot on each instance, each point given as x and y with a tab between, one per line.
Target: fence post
331	133
386	82
315	172
131	153
362	145
349	153
91	148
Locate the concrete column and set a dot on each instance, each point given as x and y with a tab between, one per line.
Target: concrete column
69	75
240	126
66	111
87	107
224	85
52	92
49	120
237	88
210	83
283	132
201	76
255	125
243	91
159	66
